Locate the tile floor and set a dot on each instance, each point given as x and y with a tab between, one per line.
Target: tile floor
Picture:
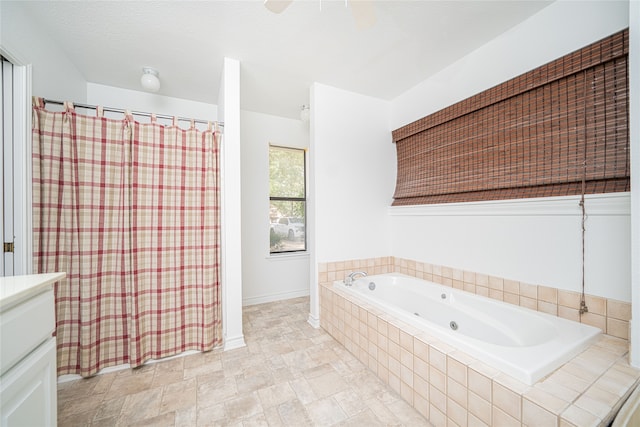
289	374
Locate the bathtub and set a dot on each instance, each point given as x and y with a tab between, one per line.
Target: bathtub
525	344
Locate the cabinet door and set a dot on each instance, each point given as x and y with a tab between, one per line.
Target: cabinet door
28	391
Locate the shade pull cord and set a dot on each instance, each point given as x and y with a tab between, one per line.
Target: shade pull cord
583	302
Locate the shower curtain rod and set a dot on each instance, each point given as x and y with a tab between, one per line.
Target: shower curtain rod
137	113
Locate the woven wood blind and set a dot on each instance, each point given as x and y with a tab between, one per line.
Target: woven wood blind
539	134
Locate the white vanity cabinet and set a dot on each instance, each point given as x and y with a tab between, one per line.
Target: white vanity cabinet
28	350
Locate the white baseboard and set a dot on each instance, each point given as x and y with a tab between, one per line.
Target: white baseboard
233	343
313	321
274	297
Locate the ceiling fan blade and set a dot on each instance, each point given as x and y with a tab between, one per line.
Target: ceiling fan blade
363	13
277	6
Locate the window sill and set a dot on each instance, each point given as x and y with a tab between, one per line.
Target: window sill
288	256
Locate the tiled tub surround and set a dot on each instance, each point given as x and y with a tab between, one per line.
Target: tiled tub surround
612	316
448	386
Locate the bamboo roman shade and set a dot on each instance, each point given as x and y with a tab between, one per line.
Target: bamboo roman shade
543	133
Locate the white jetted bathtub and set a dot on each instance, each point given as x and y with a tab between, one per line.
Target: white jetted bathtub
526	344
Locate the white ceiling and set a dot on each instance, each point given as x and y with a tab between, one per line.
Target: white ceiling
280	55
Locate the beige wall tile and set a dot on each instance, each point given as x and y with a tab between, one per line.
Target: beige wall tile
456	413
438	379
597	305
406	358
394	367
421	405
437	270
496	294
421	349
506	400
482	280
394	334
551	396
529	291
438	399
420	367
382	341
618	310
547	307
436	416
569	299
480	384
406	375
500	418
482	290
569	313
618	328
421	386
406	341
529	303
533	415
457	392
511	286
547	294
595	320
496	283
511	298
457	371
475	421
469	287
469	277
406	391
479	407
579	417
394	382
438	360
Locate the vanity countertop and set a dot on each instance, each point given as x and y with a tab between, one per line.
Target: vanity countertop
16	289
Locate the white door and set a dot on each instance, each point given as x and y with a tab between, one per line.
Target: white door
6	169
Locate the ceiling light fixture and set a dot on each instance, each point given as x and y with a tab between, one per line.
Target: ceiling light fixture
304	113
149	80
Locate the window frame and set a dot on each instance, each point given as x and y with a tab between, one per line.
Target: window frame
303	200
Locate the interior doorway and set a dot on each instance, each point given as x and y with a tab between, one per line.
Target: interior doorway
15	167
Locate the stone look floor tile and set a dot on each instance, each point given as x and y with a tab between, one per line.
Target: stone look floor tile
289	374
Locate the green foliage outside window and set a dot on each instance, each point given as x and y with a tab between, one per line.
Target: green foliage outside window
287	194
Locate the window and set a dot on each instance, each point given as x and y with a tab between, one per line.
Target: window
288	200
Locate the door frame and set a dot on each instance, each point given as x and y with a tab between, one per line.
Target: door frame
22	164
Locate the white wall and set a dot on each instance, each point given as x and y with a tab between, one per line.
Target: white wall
353	171
109	96
267	278
354	168
558	29
536	244
53	75
536	241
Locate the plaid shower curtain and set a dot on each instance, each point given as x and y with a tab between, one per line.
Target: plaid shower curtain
131	212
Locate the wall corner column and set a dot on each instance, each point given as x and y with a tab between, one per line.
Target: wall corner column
229	112
634	135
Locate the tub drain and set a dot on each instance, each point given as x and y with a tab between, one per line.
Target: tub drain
453	325
372	286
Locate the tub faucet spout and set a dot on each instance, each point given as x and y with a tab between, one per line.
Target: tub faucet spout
349	279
